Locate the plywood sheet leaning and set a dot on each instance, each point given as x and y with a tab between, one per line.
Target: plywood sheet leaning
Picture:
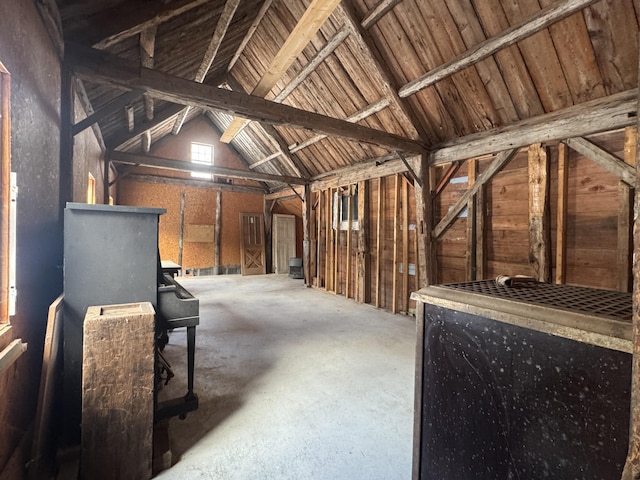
117	392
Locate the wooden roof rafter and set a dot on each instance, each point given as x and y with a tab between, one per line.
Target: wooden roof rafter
333	43
220	31
252	29
125	26
378	11
541	20
373	61
313	18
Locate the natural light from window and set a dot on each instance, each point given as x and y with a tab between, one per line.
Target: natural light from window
203	154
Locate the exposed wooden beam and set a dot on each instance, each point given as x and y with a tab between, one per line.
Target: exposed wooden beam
147	52
367	111
413	174
266	159
249	34
121	27
78	87
110	108
600	115
220	31
446	178
285	193
270	132
320	56
381	74
124	136
130	114
500	161
102	67
561	222
542	19
185	166
314	16
146	141
539	223
363	260
188	182
361	171
603	158
378	11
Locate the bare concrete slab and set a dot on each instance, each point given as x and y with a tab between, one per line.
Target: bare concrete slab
294	383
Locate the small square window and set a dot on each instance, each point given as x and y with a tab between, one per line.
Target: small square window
202	154
341	211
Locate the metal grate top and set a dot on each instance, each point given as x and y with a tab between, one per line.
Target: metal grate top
599	303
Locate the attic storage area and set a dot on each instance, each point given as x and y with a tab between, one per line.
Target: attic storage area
387	145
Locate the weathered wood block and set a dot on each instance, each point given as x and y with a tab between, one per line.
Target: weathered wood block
117	392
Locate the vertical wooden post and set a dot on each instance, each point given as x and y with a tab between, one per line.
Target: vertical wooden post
337	205
181	229
363	260
481	254
625	215
561	229
319	268
539	229
67	118
471	223
347	283
405	245
268	233
327	246
5	191
306	234
379	232
396	213
425	223
632	465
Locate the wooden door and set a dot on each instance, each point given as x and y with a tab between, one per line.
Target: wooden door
284	241
252	248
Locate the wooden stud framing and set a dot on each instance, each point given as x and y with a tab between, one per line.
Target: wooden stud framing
347	290
306	232
363	284
181	228
327	246
472	166
319	270
539	225
561	228
217	234
337	202
396	214
379	232
427	266
405	245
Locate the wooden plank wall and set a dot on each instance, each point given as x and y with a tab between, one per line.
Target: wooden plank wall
595	227
588	214
390	250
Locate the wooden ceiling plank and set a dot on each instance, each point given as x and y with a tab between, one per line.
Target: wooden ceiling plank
606	160
313	18
220	31
603	114
373	62
356	117
249	34
378	11
102	67
545	17
130	25
110	108
186	166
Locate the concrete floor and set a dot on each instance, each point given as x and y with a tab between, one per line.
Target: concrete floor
294	383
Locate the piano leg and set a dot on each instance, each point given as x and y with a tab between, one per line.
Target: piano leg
191	350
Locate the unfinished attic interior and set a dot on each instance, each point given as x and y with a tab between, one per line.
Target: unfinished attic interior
469	165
